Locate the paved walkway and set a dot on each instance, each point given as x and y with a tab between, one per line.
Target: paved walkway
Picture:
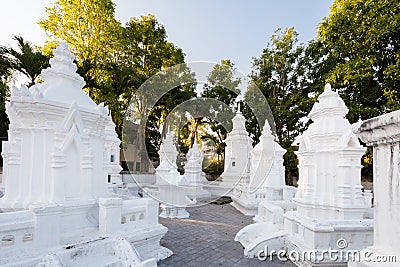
207	239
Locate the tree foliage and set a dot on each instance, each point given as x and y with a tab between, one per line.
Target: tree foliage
358	46
5	74
26	59
117	59
222	85
281	74
361	44
88	26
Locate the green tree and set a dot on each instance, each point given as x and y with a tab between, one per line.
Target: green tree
5	74
145	47
92	33
281	75
26	59
361	41
222	85
115	60
358	49
88	26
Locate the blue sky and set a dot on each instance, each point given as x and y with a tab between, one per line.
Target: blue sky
207	30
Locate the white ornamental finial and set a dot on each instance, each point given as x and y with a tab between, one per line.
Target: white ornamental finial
62	67
194	152
327	87
329	104
267	128
63	60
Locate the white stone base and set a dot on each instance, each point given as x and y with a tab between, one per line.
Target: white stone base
246	207
168	211
198	193
96	252
273	211
247	201
309	234
218	188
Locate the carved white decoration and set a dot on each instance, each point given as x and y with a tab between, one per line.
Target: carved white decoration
171	188
62	149
237	154
194	174
267	175
329	200
383	133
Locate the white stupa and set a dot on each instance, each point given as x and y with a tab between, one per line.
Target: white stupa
167	172
265	196
171	187
60	154
237	155
329	201
267	175
194	174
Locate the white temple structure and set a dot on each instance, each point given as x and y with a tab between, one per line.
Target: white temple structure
57	209
267	175
170	187
194	174
167	171
329	202
265	196
329	210
383	133
237	157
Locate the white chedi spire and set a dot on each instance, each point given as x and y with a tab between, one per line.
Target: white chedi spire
266	168
168	152
267	129
237	152
239	122
329	104
61	82
62	62
194	153
329	121
329	158
167	172
193	171
267	139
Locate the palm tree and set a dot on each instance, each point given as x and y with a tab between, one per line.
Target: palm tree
26	59
5	73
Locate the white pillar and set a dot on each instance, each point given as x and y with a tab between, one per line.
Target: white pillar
383	133
47	228
110	210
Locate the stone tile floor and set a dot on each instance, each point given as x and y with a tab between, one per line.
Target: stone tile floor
207	239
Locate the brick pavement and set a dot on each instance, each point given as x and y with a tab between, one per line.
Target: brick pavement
207	239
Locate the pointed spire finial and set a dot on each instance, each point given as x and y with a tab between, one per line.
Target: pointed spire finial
267	128
62	67
238	110
328	87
